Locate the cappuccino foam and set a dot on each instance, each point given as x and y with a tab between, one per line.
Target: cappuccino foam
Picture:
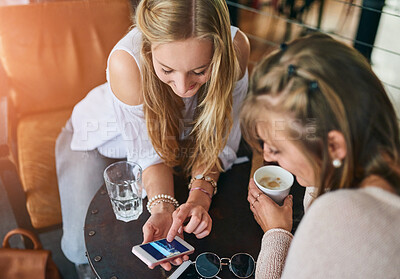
271	183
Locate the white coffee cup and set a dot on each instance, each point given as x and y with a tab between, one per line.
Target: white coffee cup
274	181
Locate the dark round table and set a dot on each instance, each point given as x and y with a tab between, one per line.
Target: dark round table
109	241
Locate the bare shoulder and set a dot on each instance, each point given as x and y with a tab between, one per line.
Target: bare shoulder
125	80
242	46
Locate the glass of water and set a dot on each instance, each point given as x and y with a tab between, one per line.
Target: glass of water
124	186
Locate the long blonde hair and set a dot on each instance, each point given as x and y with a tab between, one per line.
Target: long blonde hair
325	85
165	21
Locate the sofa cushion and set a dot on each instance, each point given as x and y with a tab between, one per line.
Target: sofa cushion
36	137
54	52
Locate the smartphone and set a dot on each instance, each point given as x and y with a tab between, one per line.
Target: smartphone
186	270
156	252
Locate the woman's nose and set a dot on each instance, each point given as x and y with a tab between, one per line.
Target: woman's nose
267	154
182	84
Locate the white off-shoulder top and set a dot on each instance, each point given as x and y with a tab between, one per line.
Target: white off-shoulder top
101	121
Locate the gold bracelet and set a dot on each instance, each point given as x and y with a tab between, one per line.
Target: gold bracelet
205	178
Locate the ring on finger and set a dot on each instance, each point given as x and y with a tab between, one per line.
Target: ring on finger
254	202
256	198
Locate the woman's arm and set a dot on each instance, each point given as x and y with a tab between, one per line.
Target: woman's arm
198	196
124	78
199	200
276	222
196	207
158	179
125	82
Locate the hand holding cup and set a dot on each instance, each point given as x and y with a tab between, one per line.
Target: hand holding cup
267	213
274	181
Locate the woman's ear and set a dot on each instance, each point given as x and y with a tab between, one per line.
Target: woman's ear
337	145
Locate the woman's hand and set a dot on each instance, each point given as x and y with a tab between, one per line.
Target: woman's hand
199	221
268	214
157	227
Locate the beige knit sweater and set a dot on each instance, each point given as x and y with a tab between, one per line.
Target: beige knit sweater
344	234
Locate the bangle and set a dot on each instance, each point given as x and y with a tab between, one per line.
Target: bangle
201	189
205	178
159	199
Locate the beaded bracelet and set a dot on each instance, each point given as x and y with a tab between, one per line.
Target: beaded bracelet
161	198
201	189
205	178
157	202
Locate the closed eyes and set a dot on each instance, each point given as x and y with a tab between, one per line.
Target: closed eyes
167	72
273	152
270	150
200	74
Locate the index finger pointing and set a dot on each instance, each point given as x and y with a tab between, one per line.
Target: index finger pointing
177	222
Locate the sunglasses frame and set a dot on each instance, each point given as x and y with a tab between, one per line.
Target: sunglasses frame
228	263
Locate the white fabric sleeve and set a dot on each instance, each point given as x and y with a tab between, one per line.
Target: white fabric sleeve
130	119
95	125
228	154
274	248
133	128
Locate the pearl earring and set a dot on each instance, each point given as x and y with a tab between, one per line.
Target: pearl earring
336	163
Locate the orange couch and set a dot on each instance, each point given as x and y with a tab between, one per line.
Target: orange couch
51	54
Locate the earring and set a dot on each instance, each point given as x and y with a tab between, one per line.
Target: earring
336	163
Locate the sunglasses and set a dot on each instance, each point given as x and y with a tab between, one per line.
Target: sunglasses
208	264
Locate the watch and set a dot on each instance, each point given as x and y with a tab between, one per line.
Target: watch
205	178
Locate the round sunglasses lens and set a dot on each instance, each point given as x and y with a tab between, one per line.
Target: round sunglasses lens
207	265
242	265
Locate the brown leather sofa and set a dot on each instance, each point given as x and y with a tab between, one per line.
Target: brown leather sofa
51	54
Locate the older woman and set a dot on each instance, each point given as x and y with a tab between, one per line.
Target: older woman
323	115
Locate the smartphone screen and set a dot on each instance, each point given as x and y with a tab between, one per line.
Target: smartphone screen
162	249
187	270
190	273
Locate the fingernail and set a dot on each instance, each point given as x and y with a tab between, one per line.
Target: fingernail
180	229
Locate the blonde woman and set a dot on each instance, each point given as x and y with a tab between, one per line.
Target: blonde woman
175	85
323	115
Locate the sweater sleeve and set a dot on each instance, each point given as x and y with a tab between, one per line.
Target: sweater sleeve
274	248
